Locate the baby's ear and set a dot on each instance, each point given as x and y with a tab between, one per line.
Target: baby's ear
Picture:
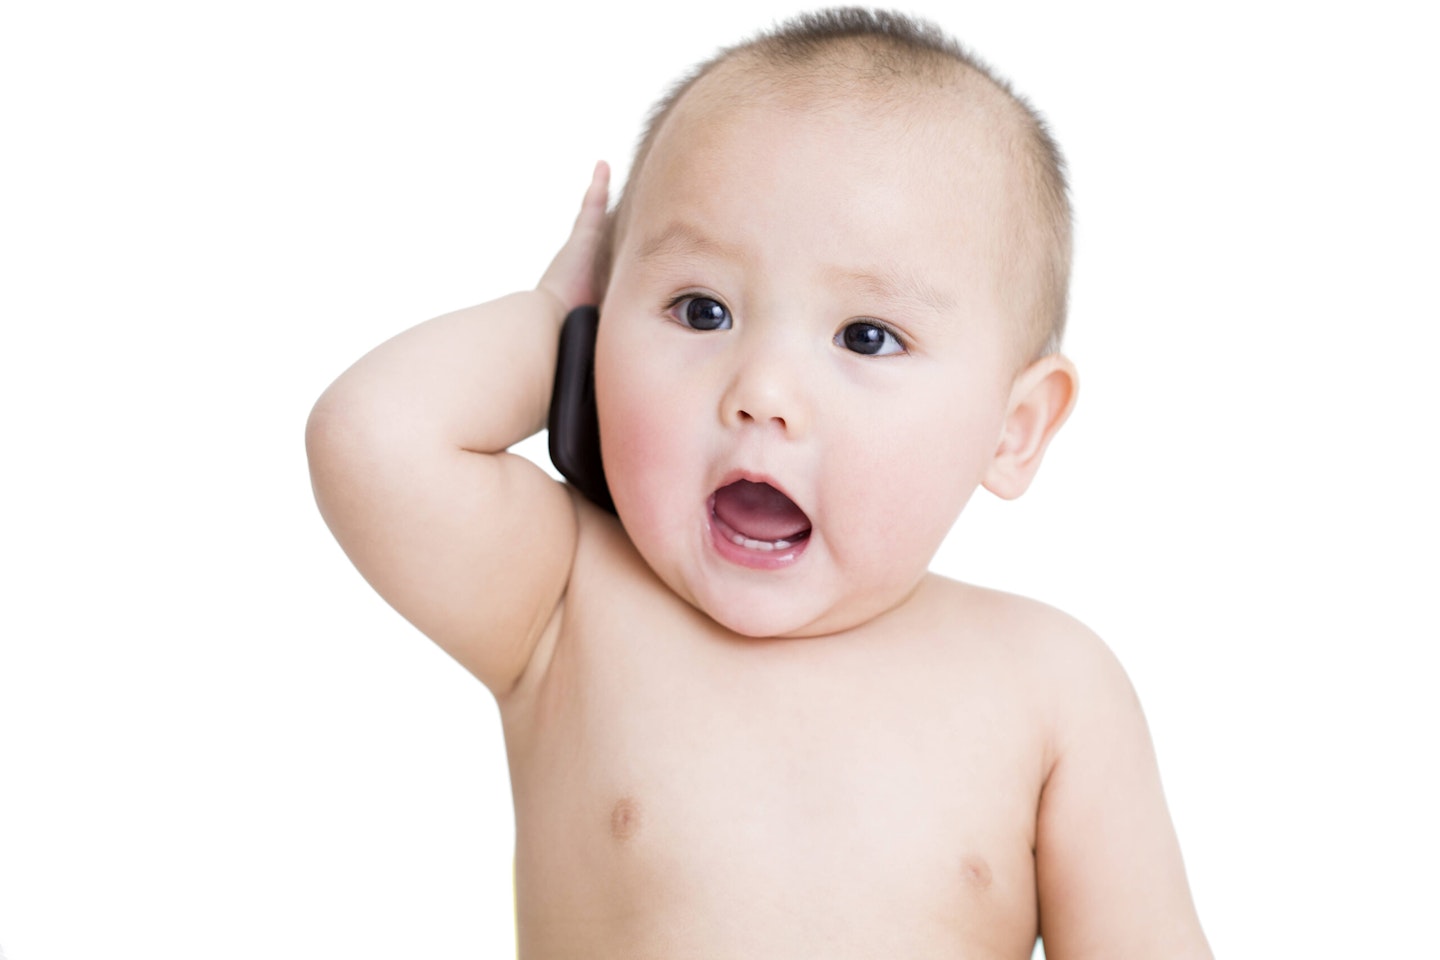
1041	397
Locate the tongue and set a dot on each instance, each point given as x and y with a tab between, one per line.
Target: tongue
760	512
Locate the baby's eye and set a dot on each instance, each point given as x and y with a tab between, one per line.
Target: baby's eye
870	339
702	313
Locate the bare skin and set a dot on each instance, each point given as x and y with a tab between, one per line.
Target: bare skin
914	768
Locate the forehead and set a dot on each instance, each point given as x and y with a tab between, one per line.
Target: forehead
952	112
954	126
907	180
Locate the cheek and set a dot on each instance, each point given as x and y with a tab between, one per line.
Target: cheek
642	440
913	478
908	496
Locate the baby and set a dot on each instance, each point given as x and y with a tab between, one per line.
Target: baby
742	718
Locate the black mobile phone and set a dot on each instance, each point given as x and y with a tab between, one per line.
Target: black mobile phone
574	425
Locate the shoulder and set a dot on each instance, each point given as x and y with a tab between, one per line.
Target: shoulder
606	561
1067	671
1047	638
610	592
1081	687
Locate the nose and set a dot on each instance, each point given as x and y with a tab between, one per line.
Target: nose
767	388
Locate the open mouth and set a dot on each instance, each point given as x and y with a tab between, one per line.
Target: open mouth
756	516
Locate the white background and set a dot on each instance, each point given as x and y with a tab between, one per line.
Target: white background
215	741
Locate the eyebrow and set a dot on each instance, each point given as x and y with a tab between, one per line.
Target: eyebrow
681	241
899	285
890	283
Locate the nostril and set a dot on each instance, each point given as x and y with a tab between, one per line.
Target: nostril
756	401
745	416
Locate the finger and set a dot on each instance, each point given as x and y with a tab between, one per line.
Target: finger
597	196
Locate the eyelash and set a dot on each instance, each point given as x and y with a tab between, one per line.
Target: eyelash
839	340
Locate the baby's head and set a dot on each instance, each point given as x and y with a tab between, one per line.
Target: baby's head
834	286
889	62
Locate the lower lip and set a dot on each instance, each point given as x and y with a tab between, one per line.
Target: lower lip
747	557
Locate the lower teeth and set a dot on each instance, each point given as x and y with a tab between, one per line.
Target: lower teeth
759	544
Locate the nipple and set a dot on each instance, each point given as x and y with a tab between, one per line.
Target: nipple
624	819
976	872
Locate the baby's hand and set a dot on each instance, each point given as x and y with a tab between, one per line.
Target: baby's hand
571	275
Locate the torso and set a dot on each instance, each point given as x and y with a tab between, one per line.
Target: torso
683	792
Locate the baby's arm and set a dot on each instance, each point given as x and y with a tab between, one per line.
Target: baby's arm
1111	881
473	545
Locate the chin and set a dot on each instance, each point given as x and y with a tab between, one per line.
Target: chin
777	619
757	625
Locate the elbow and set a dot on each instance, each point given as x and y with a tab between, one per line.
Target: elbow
335	439
322	427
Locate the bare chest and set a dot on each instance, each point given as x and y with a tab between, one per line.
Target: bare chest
760	801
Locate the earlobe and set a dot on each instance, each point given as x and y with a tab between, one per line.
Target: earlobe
1041	398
